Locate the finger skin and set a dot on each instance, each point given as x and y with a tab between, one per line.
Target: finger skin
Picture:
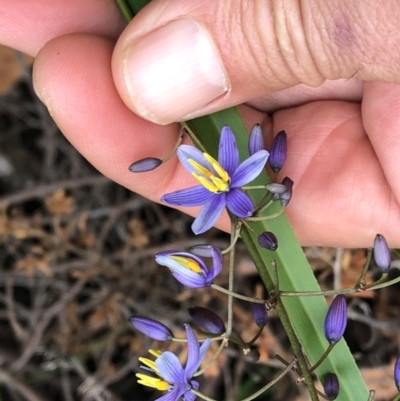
268	46
340	190
27	25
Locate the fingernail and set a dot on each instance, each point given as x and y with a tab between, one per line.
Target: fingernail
173	71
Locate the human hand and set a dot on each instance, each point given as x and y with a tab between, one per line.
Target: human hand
342	157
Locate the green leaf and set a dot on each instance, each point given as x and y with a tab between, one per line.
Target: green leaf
306	314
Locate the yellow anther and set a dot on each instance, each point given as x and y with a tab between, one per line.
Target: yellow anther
217	167
201	169
149	363
188	263
206	183
155	353
153	382
220	184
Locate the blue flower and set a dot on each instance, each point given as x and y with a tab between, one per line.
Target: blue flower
331	386
208	321
260	315
382	253
169	375
189	269
221	181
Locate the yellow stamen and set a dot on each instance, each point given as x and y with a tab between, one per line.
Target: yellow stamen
200	168
206	183
188	263
153	382
215	181
217	167
220	184
155	353
149	363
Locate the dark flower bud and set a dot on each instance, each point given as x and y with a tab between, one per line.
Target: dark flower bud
382	253
206	320
259	314
397	373
151	328
331	386
336	320
256	140
286	196
276	188
278	152
268	241
144	165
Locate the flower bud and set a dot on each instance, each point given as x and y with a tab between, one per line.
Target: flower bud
397	373
259	314
151	328
286	196
202	250
278	152
276	188
268	241
206	320
331	386
256	140
382	253
336	320
144	165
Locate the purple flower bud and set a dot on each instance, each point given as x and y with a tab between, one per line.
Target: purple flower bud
382	253
331	386
151	328
336	320
268	241
397	373
256	140
146	164
276	188
259	314
278	152
206	320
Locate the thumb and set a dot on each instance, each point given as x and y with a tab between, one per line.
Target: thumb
182	58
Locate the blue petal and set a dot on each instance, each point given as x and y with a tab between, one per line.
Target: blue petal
172	395
170	368
217	264
256	140
249	169
189	396
193	358
184	275
239	203
186	152
194	196
203	350
228	154
209	214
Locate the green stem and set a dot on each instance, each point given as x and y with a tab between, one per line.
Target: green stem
323	356
239	296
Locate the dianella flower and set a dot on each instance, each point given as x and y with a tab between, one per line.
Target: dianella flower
151	328
220	181
336	320
382	253
189	269
207	321
331	386
256	140
167	374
